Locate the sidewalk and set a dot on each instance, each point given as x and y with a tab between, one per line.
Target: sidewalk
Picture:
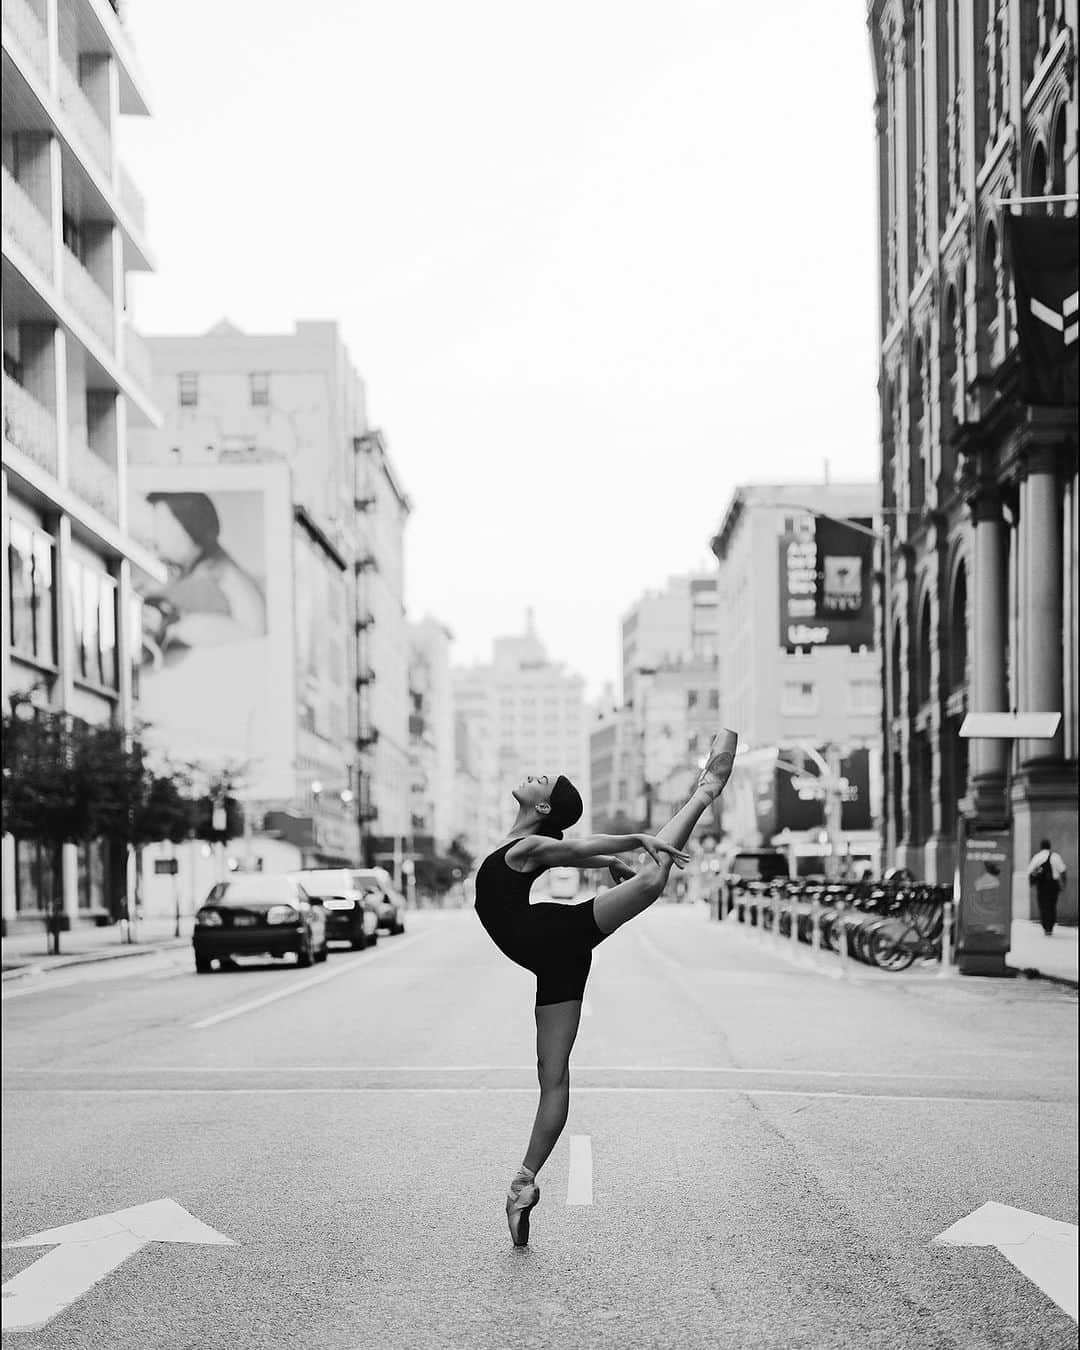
27	953
1054	957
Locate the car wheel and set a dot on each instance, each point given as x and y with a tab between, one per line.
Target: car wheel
399	928
203	964
358	938
304	956
323	952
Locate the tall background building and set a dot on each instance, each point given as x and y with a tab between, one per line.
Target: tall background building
279	642
975	103
788	676
76	386
431	734
649	749
521	713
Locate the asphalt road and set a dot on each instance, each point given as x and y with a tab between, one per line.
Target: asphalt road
757	1155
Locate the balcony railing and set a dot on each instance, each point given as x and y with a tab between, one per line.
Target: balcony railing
92	130
29	34
29	426
84	294
137	358
133	201
26	225
90	478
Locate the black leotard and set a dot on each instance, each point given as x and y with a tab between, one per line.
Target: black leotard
554	941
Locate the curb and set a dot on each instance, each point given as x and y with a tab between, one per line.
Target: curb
44	964
1032	973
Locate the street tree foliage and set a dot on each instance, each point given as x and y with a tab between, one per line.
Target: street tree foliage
66	781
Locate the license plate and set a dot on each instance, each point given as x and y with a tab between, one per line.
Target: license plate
244	920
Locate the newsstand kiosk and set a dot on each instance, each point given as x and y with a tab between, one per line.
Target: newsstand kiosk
985	868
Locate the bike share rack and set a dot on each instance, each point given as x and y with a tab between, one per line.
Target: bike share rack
886	924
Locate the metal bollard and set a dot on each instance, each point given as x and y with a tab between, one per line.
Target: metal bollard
775	905
815	928
793	935
947	967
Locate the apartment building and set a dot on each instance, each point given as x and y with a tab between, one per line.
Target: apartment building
798	665
431	732
267	477
526	714
676	622
975	104
76	387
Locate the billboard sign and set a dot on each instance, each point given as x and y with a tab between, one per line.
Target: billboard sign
217	679
826	598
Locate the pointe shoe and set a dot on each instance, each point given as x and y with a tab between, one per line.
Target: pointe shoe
523	1198
721	761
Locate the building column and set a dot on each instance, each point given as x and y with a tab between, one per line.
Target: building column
1044	788
988	595
1042	613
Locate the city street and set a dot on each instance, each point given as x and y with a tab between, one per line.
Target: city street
756	1155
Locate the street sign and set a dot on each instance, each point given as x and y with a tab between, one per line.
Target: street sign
84	1253
1043	1249
1008	726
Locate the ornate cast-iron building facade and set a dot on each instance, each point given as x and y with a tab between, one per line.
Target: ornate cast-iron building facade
976	101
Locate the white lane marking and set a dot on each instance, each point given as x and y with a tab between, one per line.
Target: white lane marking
84	1253
324	978
579	1182
586	1008
1042	1249
1043	1102
511	1068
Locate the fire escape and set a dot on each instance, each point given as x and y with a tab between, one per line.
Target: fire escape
365	566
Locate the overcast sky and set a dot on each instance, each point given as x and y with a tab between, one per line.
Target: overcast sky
597	261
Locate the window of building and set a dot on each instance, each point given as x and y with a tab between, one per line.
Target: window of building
714	700
864	696
799	699
188	384
31	605
37	876
260	389
691	698
92	602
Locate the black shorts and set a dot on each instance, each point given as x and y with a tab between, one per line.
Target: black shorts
556	943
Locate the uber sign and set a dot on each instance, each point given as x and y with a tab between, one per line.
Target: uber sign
825	593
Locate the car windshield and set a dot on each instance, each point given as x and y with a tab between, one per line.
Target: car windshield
242	890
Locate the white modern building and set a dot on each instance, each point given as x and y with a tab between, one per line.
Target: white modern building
76	387
282	520
675	623
525	714
788	676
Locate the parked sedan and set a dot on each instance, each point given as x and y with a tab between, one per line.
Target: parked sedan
258	915
351	913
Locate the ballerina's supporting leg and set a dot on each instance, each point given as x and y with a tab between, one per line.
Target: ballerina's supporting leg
556	1029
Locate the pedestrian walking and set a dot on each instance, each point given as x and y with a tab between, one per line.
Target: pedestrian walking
556	941
1046	872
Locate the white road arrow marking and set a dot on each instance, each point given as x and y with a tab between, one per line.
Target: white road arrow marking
86	1252
1043	1249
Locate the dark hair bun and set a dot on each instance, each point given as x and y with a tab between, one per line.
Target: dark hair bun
566	804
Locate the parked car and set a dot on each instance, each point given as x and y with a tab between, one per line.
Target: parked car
352	913
390	903
563	883
255	914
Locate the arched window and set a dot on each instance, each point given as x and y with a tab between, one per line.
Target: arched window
1037	175
951	411
1056	186
922	657
917	439
958	632
988	300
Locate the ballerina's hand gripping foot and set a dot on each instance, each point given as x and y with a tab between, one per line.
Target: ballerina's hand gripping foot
556	941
